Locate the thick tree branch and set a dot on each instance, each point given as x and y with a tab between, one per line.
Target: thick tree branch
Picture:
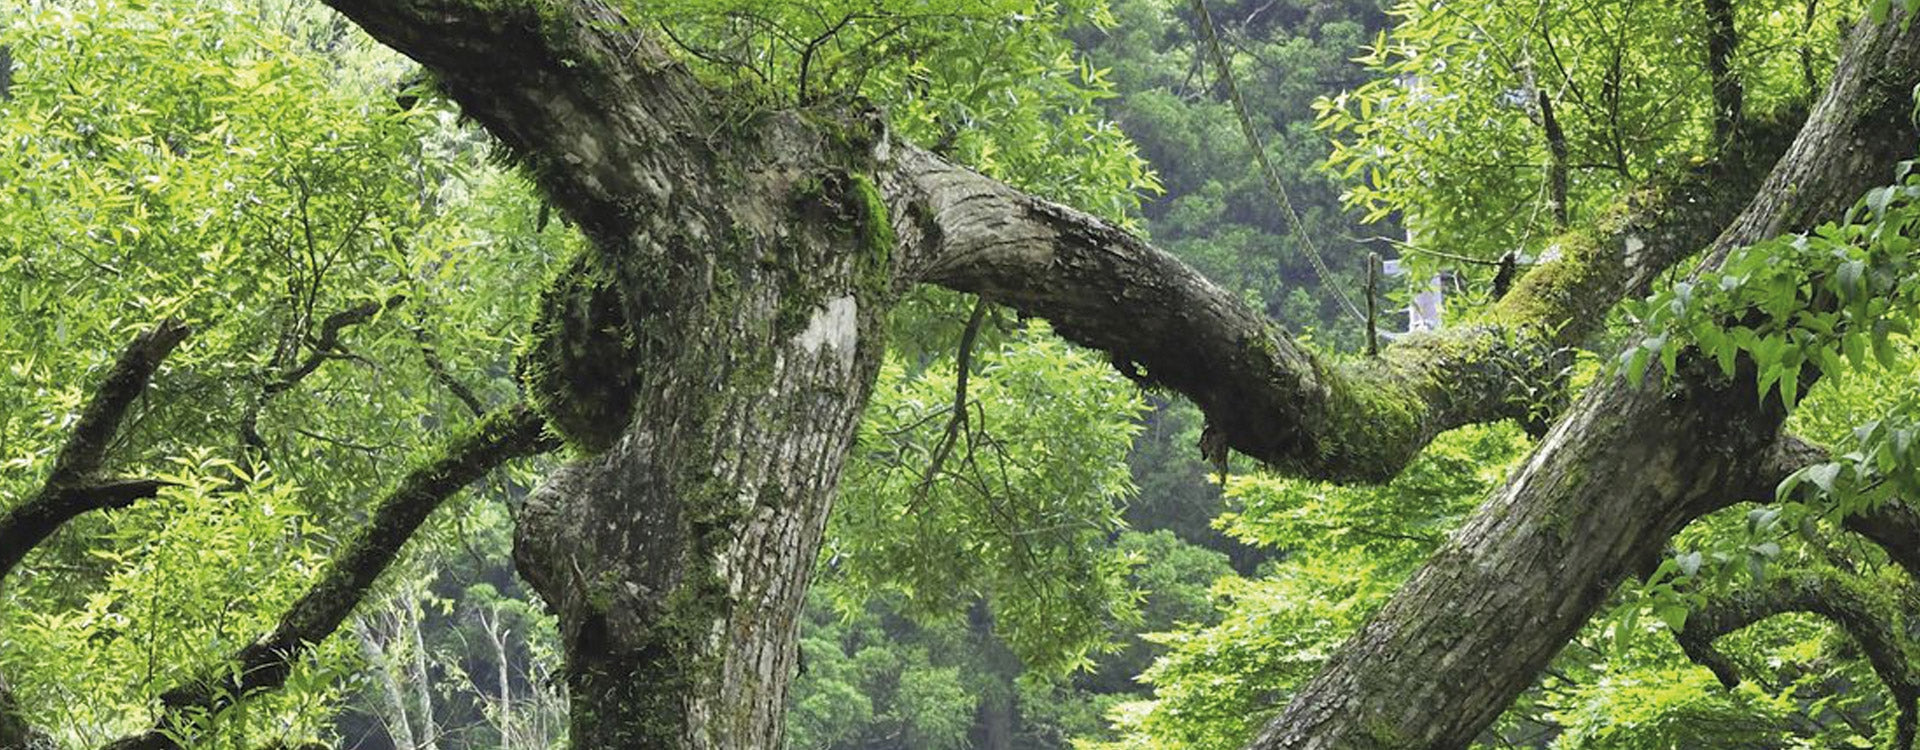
509	433
611	125
1276	400
74	486
1832	596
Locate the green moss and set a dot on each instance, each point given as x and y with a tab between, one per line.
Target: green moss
1373	416
1554	293
1382	733
581	365
874	276
799	291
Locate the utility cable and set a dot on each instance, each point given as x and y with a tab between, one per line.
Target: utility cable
1267	171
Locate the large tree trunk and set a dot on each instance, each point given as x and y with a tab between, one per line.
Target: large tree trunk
677	555
709	362
678	559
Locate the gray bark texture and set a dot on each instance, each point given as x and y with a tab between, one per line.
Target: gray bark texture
747	259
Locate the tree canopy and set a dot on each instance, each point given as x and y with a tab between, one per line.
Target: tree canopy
945	374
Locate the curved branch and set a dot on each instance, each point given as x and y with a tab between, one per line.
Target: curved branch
324	347
1893	525
328	343
1276	400
74	486
1831	596
509	433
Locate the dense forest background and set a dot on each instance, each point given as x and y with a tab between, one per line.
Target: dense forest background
1029	551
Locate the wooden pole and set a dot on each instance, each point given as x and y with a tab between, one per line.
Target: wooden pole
1373	284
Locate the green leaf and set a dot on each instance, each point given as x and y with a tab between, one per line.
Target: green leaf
1882	341
1637	366
1852	278
1689	563
1823	475
1674	615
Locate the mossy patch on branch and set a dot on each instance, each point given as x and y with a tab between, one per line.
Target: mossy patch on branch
581	365
877	238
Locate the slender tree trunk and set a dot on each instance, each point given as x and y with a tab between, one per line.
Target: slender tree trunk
497	636
374	650
421	674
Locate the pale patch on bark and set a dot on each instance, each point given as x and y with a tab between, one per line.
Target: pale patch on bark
837	325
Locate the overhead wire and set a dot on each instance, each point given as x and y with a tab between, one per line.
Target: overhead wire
1267	172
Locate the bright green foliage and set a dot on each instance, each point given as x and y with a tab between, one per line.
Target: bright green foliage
991	84
1349	547
1018	512
1799	657
1828	301
1395	524
157	618
1676	707
1451	133
1626	684
242	166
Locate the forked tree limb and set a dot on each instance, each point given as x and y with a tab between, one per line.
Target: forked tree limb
512	432
76	483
